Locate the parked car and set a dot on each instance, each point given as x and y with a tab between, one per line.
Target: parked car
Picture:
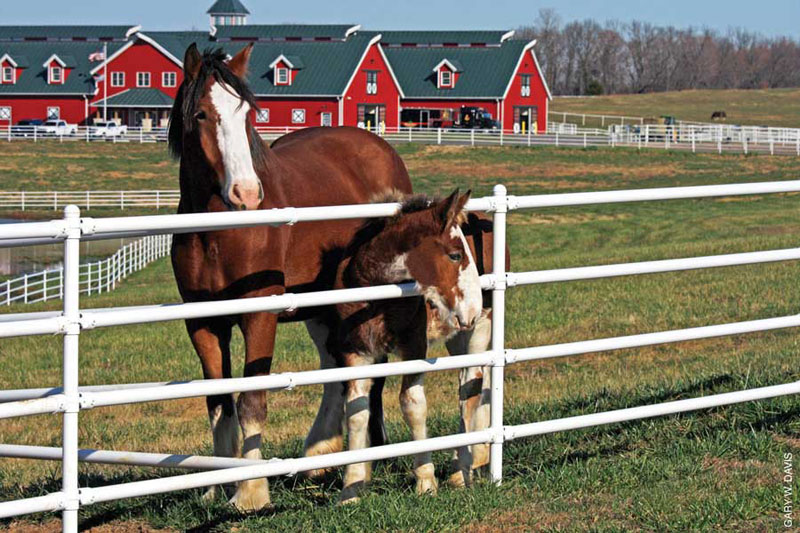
25	128
107	129
58	128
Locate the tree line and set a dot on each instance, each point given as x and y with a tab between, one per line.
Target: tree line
585	57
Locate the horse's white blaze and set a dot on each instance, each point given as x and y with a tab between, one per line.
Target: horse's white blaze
469	307
233	143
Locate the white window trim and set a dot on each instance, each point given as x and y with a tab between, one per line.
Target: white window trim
51	79
149	79
13	79
322	118
58	112
10	112
298	111
166	75
285	72
525	90
122	82
262	115
442	84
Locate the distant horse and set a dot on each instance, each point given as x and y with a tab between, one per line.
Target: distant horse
719	115
425	244
225	165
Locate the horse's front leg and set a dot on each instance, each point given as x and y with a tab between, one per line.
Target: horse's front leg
415	412
474	393
211	340
259	338
357	413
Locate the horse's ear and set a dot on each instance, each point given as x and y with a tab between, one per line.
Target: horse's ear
192	61
238	63
445	211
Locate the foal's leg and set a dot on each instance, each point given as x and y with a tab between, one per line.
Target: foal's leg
211	340
259	337
357	413
326	432
415	412
473	398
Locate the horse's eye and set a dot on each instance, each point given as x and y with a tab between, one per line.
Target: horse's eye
455	257
200	115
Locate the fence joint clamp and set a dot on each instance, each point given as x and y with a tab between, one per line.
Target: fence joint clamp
86	401
86	496
88	226
499	358
87	321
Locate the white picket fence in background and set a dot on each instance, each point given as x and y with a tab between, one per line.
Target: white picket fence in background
88	199
95	277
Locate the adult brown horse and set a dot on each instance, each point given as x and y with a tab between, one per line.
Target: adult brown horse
225	165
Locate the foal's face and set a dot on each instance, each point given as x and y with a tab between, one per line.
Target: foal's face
221	122
443	266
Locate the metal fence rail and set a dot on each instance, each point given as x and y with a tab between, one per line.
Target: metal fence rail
95	277
70	399
720	138
88	199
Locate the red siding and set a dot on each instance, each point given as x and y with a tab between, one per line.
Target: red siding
141	57
388	95
280	111
537	98
24	107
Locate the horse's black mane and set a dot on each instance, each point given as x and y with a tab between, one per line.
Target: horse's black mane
214	64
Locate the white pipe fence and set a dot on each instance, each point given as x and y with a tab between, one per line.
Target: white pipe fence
88	199
70	399
719	138
95	277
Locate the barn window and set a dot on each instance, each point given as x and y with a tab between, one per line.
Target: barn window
372	82
298	116
143	79
5	113
56	74
53	113
262	115
281	76
8	75
326	119
525	85
169	79
118	79
445	78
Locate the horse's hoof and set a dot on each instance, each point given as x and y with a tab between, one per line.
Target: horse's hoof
427	485
252	495
457	479
350	501
480	456
332	445
209	495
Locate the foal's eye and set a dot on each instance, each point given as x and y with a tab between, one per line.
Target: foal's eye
455	257
201	115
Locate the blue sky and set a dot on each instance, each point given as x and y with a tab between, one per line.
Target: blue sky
770	17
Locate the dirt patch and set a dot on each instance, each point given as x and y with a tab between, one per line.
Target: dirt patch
725	468
534	219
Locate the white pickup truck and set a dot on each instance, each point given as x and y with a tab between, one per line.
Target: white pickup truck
107	129
58	128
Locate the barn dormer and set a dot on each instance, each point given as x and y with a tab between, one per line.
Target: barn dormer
285	68
447	73
228	13
58	69
9	69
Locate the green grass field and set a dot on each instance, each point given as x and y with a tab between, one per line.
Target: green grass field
717	470
767	107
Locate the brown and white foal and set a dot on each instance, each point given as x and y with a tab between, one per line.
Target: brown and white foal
425	244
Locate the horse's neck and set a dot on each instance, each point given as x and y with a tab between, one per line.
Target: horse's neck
377	262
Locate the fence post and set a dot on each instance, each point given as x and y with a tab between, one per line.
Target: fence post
22	199
122	200
694	150
744	143
158	200
61	282
25	288
498	332
438	135
44	285
771	146
69	438
55	201
472	139
8	292
87	200
584	139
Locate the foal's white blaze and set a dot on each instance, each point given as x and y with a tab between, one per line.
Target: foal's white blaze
242	187
469	307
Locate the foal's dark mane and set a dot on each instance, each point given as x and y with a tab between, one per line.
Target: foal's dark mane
214	64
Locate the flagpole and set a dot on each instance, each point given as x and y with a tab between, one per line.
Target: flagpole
105	82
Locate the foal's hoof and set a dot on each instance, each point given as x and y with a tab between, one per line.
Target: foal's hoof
427	485
252	495
458	479
331	445
210	494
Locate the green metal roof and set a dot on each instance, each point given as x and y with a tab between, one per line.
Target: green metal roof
139	97
489	37
64	33
176	42
228	7
282	32
485	71
33	79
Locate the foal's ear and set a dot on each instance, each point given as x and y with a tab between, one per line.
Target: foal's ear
192	61
238	63
447	210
